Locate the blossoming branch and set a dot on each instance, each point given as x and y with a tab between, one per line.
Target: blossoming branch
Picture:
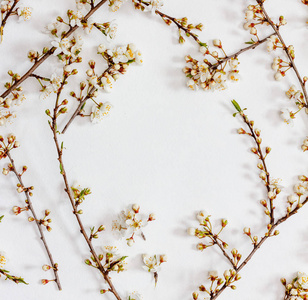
295	202
13	93
5	149
8	9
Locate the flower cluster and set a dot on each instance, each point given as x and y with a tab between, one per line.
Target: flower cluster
211	75
131	222
115	5
79	194
68	49
228	279
206	231
9	8
153	264
109	29
111	260
298	288
5	147
151	6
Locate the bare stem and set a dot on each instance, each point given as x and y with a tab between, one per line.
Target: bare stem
236	54
285	49
100	267
49	53
29	203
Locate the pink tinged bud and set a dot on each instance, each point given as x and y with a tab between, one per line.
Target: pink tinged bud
45	281
247	231
241	131
152	217
217	43
136	208
46	267
195	295
163	258
130	242
271	195
16	210
191	231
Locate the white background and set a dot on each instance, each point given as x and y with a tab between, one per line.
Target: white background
172	150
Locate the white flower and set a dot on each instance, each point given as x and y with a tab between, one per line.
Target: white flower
134	296
203	49
88	26
234	76
213	273
249	15
278	76
233	62
287	116
3	259
202	215
302	280
100	112
101	48
111	31
300	188
76	18
53	28
54	85
107	82
153	6
118	54
152	264
138	57
24	13
192	84
217	43
111	250
191	231
62	45
114	5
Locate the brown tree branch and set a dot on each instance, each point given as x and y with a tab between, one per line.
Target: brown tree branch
100	267
257	246
82	101
29	204
285	49
49	53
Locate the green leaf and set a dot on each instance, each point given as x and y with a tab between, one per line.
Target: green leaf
251	42
236	105
203	44
1	218
62	146
61	168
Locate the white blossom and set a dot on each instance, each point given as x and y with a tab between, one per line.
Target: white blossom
100	112
24	13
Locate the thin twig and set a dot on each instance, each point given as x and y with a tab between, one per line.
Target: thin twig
257	246
29	204
100	267
174	20
236	54
262	158
82	101
285	49
49	53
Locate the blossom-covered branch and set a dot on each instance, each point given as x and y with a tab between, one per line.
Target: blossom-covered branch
14	87
289	51
8	9
5	150
79	195
295	202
